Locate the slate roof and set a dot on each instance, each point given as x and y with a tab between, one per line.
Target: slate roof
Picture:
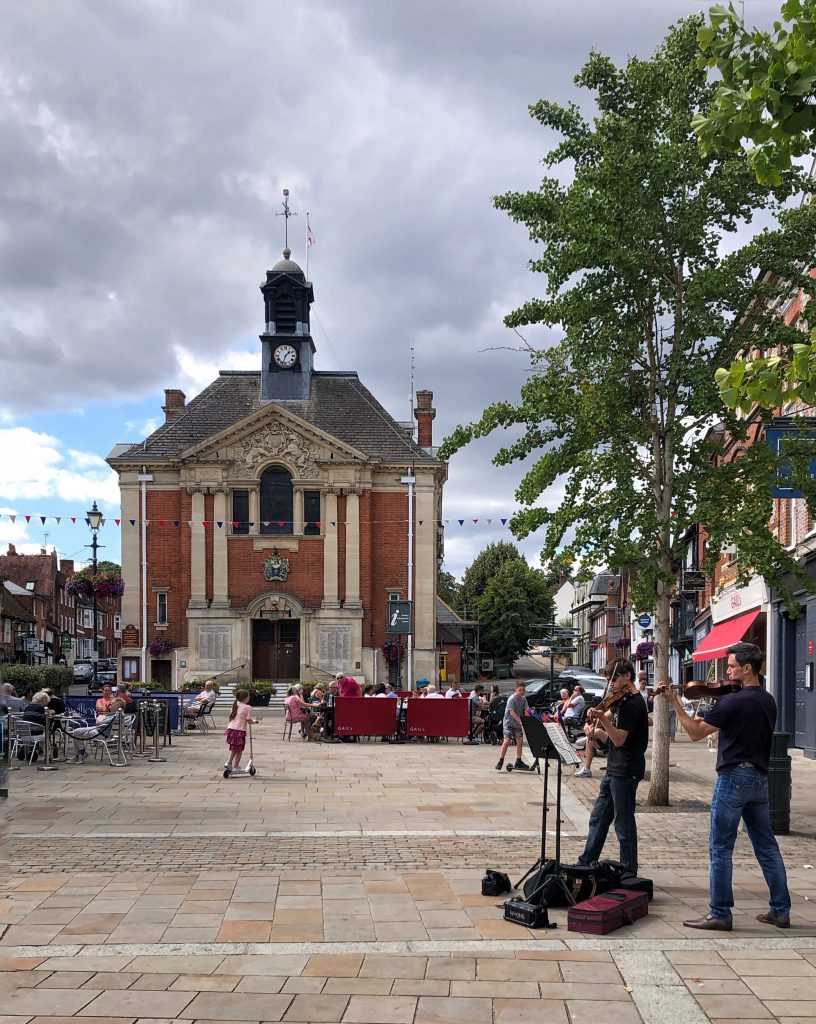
12	607
339	404
41	569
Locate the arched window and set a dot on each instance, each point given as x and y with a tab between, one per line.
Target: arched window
276	501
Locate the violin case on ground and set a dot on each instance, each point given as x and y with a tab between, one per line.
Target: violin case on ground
601	915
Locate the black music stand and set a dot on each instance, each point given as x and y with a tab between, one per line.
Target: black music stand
548	740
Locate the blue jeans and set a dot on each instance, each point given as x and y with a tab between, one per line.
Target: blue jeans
616	802
742	793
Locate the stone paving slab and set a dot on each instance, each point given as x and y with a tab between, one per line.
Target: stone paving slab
343	884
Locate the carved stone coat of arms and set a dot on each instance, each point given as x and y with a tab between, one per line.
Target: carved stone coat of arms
276	568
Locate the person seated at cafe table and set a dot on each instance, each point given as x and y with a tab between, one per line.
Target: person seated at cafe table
80	736
192	708
123	694
454	690
478	707
35	714
104	702
432	693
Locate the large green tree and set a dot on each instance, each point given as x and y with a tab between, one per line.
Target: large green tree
632	253
481	570
766	94
765	98
515	597
448	589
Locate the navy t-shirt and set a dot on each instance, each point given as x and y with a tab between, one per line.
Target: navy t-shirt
629	759
746	720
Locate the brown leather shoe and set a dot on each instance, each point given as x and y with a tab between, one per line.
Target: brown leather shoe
711	924
775	919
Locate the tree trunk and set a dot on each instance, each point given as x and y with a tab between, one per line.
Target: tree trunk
658	795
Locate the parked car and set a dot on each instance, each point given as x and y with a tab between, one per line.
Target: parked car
106	678
543	693
83	670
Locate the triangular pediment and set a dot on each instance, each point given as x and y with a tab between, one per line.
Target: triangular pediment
273	433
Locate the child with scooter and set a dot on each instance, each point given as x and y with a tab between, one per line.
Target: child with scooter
239	720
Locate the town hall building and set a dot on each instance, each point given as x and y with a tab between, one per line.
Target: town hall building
265	524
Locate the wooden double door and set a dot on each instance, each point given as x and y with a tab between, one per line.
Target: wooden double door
276	649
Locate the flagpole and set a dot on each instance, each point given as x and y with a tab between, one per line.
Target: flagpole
307	245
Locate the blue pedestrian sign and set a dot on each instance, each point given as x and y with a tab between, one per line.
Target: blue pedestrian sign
645	621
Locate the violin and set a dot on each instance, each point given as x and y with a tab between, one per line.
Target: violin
608	701
696	689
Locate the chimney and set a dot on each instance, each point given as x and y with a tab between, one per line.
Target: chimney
424	414
12	550
67	566
173	403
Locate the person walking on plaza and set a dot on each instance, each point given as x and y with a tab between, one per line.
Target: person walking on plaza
626	724
745	721
240	718
512	727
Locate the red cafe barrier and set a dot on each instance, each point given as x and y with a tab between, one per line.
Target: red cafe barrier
438	717
365	716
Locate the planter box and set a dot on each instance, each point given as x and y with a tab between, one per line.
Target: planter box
259	700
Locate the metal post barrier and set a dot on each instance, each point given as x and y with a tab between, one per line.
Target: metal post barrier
11	719
5	752
156	706
47	767
121	760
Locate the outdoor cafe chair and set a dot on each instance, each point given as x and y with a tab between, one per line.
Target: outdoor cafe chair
27	735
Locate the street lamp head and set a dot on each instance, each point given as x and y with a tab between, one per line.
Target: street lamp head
94	517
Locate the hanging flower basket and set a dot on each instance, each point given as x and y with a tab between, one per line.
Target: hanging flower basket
623	643
393	651
159	648
84	585
645	649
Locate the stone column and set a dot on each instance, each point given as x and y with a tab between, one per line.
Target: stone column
131	556
254	509
352	550
198	553
297	511
330	560
424	575
220	557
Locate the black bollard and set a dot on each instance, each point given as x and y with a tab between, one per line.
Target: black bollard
779	783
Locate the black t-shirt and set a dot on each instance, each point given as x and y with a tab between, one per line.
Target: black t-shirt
629	759
746	720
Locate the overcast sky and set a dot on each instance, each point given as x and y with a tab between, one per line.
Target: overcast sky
144	145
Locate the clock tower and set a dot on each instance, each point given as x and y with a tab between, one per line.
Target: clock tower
286	345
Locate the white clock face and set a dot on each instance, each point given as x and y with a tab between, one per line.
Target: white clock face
285	356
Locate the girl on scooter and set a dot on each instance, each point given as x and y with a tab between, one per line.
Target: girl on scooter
236	731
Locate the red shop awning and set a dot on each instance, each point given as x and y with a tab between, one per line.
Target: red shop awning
723	635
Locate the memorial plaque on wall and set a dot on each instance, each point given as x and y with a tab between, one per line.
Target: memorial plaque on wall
335	648
130	636
214	648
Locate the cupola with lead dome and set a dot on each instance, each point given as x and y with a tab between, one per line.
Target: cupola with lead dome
286	344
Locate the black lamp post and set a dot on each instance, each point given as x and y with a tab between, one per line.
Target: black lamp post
94	521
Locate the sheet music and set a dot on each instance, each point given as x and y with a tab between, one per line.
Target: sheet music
558	738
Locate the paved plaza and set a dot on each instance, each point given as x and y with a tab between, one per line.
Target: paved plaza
342	884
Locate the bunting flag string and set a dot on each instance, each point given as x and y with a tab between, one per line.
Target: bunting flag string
244	526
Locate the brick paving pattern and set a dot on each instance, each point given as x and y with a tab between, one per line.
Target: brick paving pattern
342	885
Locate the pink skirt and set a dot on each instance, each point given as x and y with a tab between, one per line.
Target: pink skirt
236	740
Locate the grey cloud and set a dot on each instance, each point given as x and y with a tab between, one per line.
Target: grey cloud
144	146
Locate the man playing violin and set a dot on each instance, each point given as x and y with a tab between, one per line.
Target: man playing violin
626	722
745	720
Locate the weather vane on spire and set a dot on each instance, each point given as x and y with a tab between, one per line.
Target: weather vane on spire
287	213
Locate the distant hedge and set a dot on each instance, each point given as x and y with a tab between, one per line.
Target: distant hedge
22	677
